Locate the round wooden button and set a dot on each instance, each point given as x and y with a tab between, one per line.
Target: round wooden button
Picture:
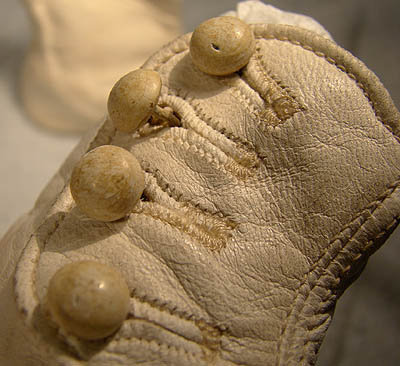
133	99
107	183
222	45
88	299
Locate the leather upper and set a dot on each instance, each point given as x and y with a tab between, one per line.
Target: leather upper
258	212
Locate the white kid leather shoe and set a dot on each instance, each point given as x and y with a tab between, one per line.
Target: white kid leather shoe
78	50
260	207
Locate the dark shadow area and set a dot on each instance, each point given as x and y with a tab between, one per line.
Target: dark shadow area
52	337
195	82
69	231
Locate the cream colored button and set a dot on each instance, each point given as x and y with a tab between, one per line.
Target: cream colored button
107	183
88	299
133	99
221	46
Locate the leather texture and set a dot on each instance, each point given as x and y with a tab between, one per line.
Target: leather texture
258	212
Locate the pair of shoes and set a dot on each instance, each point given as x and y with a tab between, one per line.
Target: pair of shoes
259	208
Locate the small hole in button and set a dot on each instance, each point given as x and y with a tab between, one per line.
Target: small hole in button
215	47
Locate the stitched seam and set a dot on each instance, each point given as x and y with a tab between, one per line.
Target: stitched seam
247	103
132	319
372	104
246	145
345	270
164	306
320	54
316	266
210	235
215	124
57	223
229	166
250	161
204	326
332	260
165	188
275	89
212	229
339	67
180	48
168	347
94	143
275	94
247	157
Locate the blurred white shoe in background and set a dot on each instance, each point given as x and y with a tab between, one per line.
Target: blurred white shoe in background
81	47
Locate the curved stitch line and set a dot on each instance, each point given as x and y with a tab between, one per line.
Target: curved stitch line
339	67
95	141
165	187
344	271
211	229
91	145
160	327
245	145
235	92
297	43
358	83
371	102
316	265
164	306
212	122
198	111
276	91
247	156
230	166
183	47
247	103
211	236
169	347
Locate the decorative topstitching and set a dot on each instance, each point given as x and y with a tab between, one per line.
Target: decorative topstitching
181	47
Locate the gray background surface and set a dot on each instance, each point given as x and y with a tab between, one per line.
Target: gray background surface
366	327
